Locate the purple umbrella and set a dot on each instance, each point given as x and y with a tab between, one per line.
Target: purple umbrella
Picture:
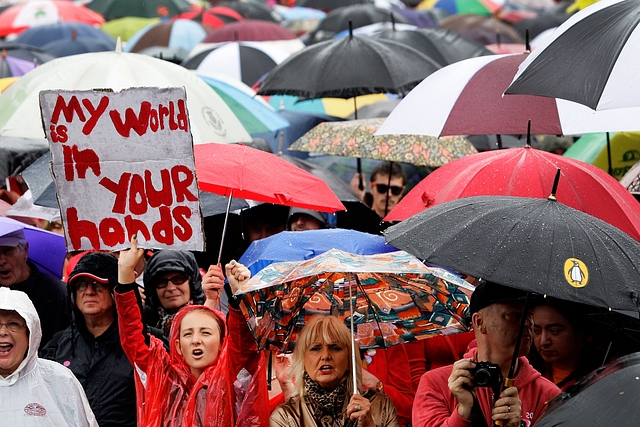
14	67
46	250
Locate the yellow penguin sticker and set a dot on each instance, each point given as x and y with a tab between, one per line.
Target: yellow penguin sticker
576	273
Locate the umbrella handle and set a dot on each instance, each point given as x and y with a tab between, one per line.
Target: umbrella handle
224	227
353	342
508	382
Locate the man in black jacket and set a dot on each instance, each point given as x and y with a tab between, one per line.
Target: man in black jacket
90	346
47	294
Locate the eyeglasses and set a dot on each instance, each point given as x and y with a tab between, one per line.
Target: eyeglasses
82	285
177	280
383	188
13	326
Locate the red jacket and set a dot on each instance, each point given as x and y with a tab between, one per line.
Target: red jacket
391	366
436	406
168	394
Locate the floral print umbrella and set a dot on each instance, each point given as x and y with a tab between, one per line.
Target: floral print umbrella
355	138
394	298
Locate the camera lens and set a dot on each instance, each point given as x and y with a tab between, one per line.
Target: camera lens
482	377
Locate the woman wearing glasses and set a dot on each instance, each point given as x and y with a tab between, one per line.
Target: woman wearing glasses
171	280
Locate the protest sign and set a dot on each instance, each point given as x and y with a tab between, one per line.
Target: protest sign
123	164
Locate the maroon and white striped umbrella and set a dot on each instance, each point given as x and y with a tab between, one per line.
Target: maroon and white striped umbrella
466	98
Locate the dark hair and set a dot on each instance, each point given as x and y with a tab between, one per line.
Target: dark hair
383	169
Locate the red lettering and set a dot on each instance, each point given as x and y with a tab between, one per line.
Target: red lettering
181	185
58	133
180	214
153	120
138	123
95	113
78	229
112	232
135	226
172	116
161	197
137	196
183	123
162	113
67	159
119	189
84	160
68	110
163	229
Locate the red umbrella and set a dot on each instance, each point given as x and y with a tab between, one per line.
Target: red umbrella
213	17
19	17
249	30
235	170
525	172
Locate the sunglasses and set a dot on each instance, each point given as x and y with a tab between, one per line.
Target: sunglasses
383	188
82	285
177	280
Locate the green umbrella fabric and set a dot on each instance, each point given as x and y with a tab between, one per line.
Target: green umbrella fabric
127	26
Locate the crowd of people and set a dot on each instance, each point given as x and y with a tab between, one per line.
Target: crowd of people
150	338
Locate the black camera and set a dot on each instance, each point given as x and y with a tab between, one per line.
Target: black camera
487	374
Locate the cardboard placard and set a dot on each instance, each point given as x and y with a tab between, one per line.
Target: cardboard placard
123	164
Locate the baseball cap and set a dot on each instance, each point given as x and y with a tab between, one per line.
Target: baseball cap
13	239
487	293
99	266
314	214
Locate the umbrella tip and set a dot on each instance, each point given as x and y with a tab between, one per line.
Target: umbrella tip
554	189
528	144
527	45
350	29
119	45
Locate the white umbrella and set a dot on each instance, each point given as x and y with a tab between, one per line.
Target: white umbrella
210	117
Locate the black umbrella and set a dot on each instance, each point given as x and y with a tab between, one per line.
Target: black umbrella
257	11
537	245
591	59
329	4
349	67
606	397
443	46
358	14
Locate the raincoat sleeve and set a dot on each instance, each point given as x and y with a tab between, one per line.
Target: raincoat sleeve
243	353
131	329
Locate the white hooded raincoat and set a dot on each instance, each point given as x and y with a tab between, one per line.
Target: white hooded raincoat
39	392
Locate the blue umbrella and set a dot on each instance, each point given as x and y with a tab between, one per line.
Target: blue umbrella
43	34
75	45
302	245
46	250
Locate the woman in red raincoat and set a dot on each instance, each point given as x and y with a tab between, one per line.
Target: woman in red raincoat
193	384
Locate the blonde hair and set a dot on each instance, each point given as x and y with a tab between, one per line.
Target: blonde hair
327	329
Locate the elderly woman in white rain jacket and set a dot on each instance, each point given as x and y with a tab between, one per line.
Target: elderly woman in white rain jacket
33	391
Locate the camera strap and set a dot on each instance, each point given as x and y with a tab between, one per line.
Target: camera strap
477	417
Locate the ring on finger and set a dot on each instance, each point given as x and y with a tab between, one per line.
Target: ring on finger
357	408
508	408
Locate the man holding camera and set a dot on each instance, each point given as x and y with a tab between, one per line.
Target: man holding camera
470	393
